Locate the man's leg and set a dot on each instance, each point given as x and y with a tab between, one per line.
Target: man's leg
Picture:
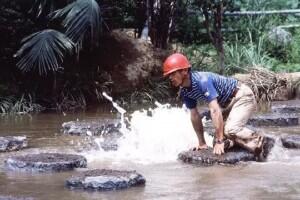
243	106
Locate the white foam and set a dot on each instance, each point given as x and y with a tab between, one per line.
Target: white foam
158	137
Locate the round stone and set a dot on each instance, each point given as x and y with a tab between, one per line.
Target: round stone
12	143
105	179
207	157
14	198
291	141
46	162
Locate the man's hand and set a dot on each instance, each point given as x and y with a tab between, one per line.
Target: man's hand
219	148
200	147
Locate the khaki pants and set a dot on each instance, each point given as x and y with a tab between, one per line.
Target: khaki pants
240	109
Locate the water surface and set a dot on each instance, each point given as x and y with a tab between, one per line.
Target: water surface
151	148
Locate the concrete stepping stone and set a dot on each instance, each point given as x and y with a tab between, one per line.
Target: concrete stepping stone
268	119
12	143
207	157
274	120
46	162
291	141
291	106
286	108
107	130
105	179
14	198
92	128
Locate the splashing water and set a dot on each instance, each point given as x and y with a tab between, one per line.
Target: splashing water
156	135
121	110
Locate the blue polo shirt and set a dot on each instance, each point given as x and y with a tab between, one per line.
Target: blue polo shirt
208	86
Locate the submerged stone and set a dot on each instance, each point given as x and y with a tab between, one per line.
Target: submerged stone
92	128
291	141
46	162
274	120
107	130
207	157
12	143
291	106
105	179
15	198
286	108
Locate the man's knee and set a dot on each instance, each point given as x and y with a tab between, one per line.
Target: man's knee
230	131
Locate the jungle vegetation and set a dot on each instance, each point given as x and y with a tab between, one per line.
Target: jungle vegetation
47	61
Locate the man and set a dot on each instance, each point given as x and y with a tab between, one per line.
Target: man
220	93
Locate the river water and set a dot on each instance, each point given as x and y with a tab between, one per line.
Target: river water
150	147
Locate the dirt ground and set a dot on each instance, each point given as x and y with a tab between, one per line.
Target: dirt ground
129	61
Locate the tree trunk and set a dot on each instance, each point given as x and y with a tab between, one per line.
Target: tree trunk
219	37
215	35
161	22
145	31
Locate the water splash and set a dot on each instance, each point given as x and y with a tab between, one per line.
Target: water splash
156	135
115	105
121	110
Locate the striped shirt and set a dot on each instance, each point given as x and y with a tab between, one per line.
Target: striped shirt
208	86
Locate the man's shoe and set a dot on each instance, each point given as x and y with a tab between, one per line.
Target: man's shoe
228	144
267	145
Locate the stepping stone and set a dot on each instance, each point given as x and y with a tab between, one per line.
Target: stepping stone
207	157
12	143
291	106
274	120
291	141
107	130
286	108
46	162
14	198
92	128
105	179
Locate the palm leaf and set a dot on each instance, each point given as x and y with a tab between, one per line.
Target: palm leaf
42	7
81	17
44	51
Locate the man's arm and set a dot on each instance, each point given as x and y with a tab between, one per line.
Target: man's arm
217	118
198	127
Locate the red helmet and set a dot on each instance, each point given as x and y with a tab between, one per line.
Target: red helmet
175	62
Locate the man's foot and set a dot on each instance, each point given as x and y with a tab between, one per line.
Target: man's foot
267	145
228	144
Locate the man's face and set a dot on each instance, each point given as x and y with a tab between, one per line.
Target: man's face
177	78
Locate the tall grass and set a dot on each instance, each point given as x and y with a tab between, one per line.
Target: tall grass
22	105
240	57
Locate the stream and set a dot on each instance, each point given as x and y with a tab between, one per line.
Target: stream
150	147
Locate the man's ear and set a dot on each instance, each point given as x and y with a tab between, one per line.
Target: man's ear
185	71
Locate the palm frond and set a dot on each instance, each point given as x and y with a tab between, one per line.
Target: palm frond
42	7
81	17
44	51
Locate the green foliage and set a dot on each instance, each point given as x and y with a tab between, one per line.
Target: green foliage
286	67
201	57
42	8
22	105
81	17
44	51
240	57
264	4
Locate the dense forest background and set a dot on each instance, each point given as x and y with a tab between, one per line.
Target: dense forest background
62	54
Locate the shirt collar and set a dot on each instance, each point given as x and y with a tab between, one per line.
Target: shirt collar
192	83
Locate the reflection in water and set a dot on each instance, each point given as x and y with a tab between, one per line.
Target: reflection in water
150	146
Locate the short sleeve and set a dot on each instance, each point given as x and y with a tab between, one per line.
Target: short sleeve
209	89
189	103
